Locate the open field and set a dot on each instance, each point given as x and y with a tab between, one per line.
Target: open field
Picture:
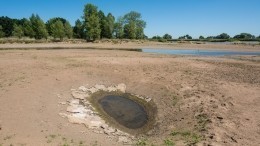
200	100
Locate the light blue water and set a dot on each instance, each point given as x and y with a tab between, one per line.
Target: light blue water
198	52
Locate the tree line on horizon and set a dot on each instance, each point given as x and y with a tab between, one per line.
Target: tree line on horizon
93	25
222	36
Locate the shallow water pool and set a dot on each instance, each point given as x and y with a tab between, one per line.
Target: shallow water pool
125	111
198	52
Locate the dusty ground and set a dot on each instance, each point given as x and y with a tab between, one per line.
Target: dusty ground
203	100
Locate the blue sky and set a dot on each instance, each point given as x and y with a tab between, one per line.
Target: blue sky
176	17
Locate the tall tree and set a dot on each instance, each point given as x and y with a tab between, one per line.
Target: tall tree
130	30
57	30
119	28
68	30
53	20
27	28
91	22
7	25
2	34
18	31
109	27
78	30
103	24
135	25
38	27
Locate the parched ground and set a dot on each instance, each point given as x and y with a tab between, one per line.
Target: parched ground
200	100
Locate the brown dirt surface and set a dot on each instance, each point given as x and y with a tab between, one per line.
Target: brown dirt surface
200	100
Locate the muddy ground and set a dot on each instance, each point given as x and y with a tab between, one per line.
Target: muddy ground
200	100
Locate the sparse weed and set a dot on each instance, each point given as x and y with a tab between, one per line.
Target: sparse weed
202	120
189	137
168	142
141	142
52	136
49	141
65	144
174	100
8	137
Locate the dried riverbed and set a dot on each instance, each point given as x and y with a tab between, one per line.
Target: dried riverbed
199	100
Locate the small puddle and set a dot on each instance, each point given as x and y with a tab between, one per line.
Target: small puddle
125	111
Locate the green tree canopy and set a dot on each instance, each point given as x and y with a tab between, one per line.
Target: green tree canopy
223	36
57	30
103	23
18	31
130	30
134	25
78	30
68	30
157	37
91	22
185	37
201	37
109	26
7	25
53	20
2	34
167	36
118	28
27	28
244	36
38	27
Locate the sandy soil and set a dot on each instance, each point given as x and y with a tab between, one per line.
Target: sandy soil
209	100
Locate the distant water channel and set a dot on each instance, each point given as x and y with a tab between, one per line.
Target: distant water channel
198	52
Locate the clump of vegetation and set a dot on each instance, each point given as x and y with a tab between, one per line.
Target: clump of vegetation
175	100
50	138
185	37
189	137
168	142
164	38
142	142
202	120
